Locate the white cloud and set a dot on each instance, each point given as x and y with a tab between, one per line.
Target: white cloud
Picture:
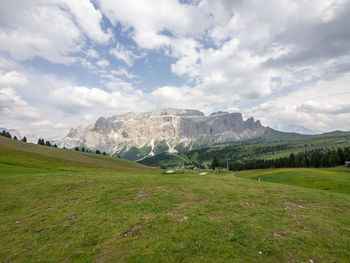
12	78
187	97
149	19
124	54
231	55
103	63
53	30
75	99
12	106
124	72
88	19
323	106
92	53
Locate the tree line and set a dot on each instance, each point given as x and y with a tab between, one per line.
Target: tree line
47	143
41	141
8	135
313	158
88	151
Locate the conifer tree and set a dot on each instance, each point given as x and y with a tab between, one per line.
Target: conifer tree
215	163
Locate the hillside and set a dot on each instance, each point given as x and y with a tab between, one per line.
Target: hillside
282	145
335	180
22	154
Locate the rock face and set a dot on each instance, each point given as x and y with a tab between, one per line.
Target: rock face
137	135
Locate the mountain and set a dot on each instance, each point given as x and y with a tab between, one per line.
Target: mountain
299	129
137	135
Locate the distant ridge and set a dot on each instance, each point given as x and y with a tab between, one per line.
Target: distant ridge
136	135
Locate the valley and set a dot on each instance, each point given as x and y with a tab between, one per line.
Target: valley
251	149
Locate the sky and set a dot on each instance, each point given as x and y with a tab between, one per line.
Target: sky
67	62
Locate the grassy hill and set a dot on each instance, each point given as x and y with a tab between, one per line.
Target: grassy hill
63	206
37	156
252	149
331	179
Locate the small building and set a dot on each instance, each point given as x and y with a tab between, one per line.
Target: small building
347	164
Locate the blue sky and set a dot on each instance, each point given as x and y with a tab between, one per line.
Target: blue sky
64	63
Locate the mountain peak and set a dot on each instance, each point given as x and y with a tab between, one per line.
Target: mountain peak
162	130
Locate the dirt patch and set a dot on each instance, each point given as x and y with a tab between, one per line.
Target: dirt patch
245	203
176	211
180	210
280	234
293	206
39	230
134	230
141	195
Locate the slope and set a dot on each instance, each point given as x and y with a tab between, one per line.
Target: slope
22	154
331	179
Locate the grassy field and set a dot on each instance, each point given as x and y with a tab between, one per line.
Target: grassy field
99	209
331	179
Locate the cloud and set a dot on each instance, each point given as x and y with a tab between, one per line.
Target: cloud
153	22
270	59
330	27
12	106
121	53
52	30
233	74
103	63
75	99
92	53
124	72
316	106
187	97
88	19
12	78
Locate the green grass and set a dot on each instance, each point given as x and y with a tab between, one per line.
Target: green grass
104	212
332	179
32	155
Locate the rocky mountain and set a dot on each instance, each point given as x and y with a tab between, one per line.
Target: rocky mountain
137	135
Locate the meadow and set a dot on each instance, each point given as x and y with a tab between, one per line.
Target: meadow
64	206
